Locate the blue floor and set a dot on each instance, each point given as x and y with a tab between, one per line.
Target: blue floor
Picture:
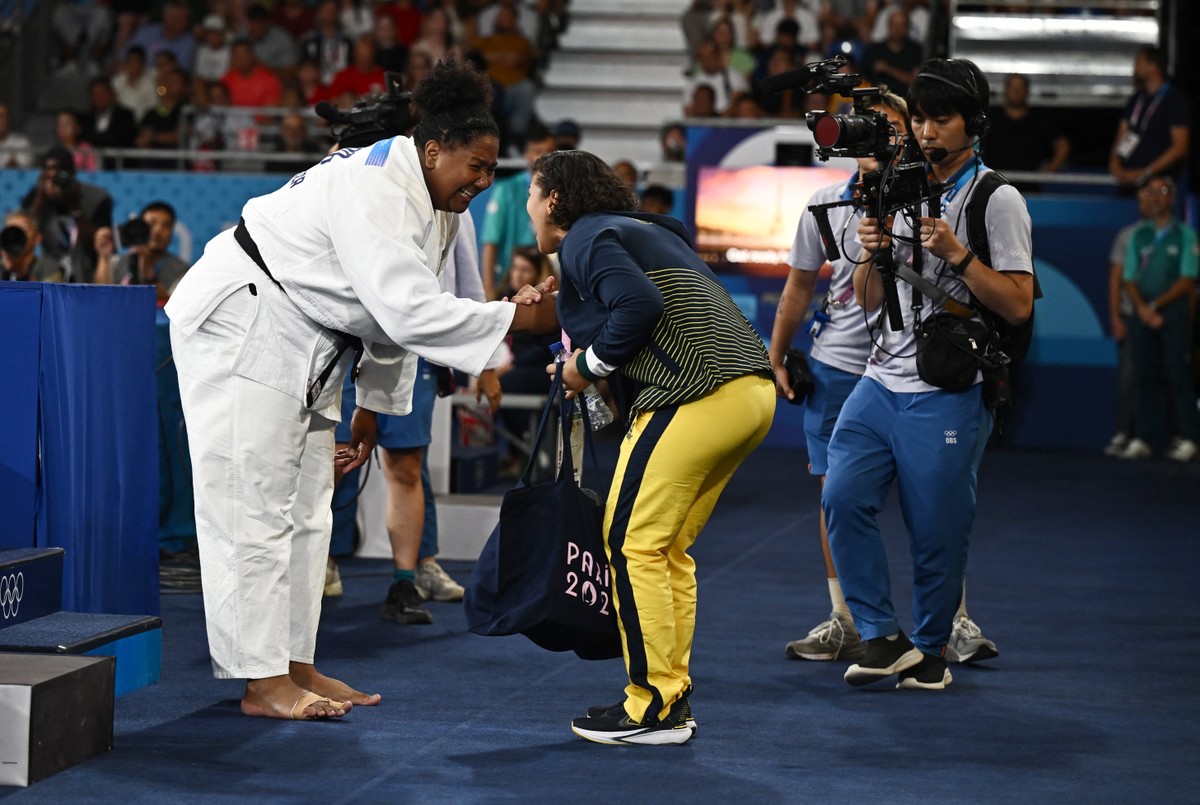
1084	571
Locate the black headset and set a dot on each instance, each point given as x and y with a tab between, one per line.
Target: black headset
978	124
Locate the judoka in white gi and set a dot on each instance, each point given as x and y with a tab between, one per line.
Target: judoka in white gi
352	246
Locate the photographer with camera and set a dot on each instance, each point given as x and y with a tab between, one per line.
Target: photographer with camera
147	261
919	416
68	213
19	240
837	360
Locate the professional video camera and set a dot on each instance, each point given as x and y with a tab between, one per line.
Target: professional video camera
897	184
373	118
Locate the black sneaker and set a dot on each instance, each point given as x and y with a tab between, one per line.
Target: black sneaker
883	658
930	673
618	728
403	605
618	709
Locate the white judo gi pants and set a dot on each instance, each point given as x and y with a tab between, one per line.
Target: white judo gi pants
262	466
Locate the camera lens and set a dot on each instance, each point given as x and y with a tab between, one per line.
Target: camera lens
843	131
13	240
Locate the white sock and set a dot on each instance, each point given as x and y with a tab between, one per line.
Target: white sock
839	602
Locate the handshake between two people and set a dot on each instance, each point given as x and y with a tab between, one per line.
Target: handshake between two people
535	313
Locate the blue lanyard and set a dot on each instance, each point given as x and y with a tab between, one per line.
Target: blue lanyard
1137	121
848	192
960	180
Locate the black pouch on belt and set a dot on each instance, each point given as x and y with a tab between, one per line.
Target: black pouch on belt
950	351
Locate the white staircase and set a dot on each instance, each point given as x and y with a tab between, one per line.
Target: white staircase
618	72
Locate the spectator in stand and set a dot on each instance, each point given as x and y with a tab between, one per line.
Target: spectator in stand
294	16
1024	139
68	131
136	88
724	35
673	140
703	102
790	102
1160	278
82	32
524	13
363	76
509	56
273	46
766	24
846	19
173	33
358	18
745	107
327	44
15	149
307	84
918	20
895	60
250	83
160	126
19	257
294	139
713	71
628	173
107	124
417	67
146	262
787	36
213	52
506	224
567	135
657	199
407	18
695	24
68	213
1153	135
389	53
437	37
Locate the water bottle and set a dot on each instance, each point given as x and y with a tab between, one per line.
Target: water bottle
599	414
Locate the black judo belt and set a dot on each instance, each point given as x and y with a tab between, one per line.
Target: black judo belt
345	340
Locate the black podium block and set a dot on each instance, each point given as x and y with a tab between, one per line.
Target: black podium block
56	711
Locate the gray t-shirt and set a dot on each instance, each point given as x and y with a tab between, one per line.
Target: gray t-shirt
844	342
1011	245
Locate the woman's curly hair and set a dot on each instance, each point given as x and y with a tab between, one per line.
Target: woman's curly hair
585	184
453	102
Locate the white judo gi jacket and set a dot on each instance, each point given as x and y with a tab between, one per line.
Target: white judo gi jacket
357	247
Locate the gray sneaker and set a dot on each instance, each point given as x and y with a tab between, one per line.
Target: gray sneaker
835	639
434	583
967	643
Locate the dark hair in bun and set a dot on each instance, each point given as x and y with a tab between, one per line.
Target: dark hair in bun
453	102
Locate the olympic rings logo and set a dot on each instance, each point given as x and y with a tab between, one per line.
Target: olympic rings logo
12	590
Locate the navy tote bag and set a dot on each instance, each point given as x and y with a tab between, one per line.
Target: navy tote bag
543	572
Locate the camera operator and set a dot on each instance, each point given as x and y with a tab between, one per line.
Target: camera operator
68	213
147	261
19	240
902	421
837	360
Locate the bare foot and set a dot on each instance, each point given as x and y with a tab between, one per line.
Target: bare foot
309	678
280	697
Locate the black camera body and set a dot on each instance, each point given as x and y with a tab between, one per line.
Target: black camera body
134	232
371	119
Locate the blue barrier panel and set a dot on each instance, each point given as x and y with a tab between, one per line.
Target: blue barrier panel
99	497
20	316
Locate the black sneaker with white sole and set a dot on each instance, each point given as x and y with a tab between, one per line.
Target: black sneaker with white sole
930	673
883	658
616	727
600	710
